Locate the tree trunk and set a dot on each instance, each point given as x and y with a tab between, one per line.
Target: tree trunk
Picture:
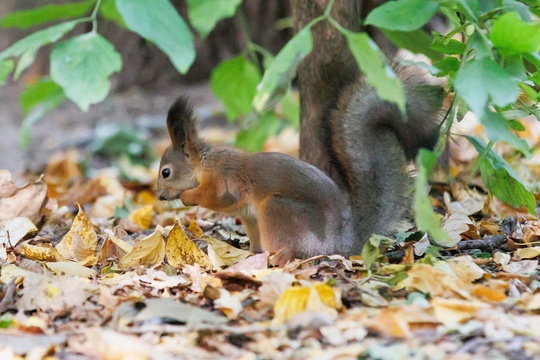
323	74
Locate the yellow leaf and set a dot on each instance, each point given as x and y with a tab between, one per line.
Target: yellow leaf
183	251
401	321
318	298
486	293
149	251
40	252
86	239
527	253
465	268
434	281
121	244
228	255
10	272
195	229
142	217
71	269
452	311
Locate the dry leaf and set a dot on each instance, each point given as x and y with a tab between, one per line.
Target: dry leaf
527	253
225	254
85	245
149	251
195	229
452	311
320	298
13	230
501	258
465	268
531	233
521	267
40	252
71	269
434	281
25	201
142	217
228	304
182	251
10	272
400	322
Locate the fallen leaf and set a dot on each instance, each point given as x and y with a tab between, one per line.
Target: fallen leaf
13	230
71	269
25	201
228	304
86	242
195	229
320	298
465	268
10	272
142	217
401	322
453	311
521	267
527	253
455	223
501	258
107	344
39	252
148	251
182	251
531	232
225	253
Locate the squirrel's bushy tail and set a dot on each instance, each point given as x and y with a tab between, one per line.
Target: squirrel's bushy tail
373	142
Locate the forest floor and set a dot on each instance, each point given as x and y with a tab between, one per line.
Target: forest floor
93	266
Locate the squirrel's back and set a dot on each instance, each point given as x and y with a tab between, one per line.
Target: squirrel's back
372	144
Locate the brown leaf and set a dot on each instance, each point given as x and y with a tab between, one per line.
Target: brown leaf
40	252
182	251
221	253
80	241
195	229
25	201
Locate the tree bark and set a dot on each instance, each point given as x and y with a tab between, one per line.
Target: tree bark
323	74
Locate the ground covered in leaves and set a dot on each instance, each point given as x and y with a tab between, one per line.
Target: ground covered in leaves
96	267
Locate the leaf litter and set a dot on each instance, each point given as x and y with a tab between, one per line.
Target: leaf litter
99	268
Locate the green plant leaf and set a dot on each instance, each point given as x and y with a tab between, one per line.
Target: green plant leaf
498	129
43	91
418	42
25	19
204	14
159	22
483	80
36	40
501	179
278	76
82	66
6	67
403	15
447	65
448	46
253	138
234	82
289	108
109	12
425	218
378	74
511	35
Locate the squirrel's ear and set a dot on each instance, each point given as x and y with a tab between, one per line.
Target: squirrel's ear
181	124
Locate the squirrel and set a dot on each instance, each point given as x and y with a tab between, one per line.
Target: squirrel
294	209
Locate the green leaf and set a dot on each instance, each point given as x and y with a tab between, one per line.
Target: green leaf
448	46
82	66
418	42
289	108
378	73
253	138
24	19
6	67
481	80
234	82
498	129
277	78
425	218
43	91
403	15
109	12
159	22
516	125
36	40
204	14
448	65
511	35
501	179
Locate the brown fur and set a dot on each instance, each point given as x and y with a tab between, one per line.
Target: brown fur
290	206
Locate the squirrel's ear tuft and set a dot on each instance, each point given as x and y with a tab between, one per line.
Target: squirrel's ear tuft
181	123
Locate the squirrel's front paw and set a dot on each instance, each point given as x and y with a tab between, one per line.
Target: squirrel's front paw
188	198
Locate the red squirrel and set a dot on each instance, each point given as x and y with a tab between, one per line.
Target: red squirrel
293	208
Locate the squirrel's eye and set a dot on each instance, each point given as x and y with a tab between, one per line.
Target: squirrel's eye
166	173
